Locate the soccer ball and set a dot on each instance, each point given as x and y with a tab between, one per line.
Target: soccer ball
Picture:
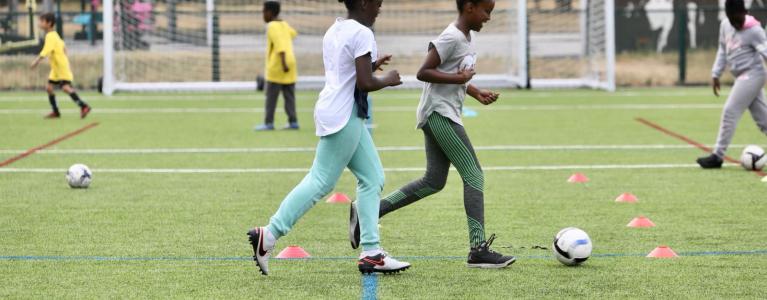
572	246
79	176
468	62
753	158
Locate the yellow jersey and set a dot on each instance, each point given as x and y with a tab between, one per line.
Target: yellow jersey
279	38
55	50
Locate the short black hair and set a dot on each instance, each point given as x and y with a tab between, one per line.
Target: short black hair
461	3
49	18
735	6
349	3
273	6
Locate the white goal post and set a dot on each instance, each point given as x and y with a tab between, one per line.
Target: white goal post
219	45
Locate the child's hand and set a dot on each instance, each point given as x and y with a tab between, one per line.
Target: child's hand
34	64
382	61
392	78
486	97
466	74
716	85
285	69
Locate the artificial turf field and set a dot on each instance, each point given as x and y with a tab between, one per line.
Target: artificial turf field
180	178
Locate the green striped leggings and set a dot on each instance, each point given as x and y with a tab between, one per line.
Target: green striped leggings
446	143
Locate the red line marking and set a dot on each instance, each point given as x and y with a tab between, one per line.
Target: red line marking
46	145
689	141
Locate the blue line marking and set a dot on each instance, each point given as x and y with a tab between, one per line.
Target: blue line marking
369	287
203	259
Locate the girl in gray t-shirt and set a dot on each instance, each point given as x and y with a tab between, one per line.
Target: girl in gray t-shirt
448	68
742	48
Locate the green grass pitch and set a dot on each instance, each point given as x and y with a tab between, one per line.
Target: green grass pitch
178	233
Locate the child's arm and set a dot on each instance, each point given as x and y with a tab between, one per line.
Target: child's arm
47	49
285	67
485	97
429	72
369	83
719	64
36	62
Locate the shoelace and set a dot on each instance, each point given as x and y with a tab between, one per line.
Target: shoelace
490	242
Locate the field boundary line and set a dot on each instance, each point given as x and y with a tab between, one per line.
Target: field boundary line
521	107
690	141
393	170
330	258
48	144
214	150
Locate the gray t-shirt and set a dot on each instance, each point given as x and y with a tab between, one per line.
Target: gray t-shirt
446	99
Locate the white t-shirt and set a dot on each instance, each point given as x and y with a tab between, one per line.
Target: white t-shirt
344	42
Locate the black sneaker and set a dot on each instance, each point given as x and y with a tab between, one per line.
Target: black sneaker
354	226
381	263
710	162
483	257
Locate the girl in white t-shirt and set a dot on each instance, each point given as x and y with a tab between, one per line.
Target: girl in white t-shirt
348	52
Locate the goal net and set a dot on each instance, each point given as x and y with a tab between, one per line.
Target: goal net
219	45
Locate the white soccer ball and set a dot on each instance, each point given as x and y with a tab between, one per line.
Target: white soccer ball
572	246
753	158
79	176
468	62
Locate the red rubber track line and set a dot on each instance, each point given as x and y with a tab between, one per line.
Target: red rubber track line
689	141
48	144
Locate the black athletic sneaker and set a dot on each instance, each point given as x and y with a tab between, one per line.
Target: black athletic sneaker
381	263
354	226
483	257
710	162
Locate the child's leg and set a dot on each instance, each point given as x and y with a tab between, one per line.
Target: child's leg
758	110
747	88
455	143
289	93
366	166
52	98
272	93
333	155
437	168
72	94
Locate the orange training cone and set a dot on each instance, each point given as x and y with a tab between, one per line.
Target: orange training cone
627	198
293	252
662	252
339	198
640	221
578	178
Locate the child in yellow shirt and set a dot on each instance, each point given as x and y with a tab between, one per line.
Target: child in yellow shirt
55	50
281	74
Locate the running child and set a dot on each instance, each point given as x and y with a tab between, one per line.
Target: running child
281	73
439	116
742	47
349	49
61	76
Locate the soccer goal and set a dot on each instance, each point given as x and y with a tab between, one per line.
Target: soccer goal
219	45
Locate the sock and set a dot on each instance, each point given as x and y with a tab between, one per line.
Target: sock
52	101
77	100
371	252
269	239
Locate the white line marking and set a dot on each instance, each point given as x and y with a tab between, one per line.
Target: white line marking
398	96
215	110
380	149
394	170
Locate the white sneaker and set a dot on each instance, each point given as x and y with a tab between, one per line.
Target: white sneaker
261	253
381	263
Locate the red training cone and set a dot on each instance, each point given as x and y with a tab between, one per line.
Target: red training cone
627	198
578	178
293	252
339	198
640	221
662	252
